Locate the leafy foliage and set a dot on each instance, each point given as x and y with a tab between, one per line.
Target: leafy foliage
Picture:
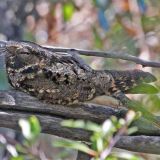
22	151
30	128
103	137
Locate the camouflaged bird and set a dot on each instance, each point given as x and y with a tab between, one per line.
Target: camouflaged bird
64	78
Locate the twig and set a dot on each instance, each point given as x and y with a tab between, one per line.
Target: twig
113	55
112	143
122	131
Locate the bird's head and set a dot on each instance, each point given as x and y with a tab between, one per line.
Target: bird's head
20	54
18	48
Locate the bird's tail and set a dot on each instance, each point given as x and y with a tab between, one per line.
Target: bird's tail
131	81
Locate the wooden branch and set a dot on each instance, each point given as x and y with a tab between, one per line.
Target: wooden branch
123	56
19	101
15	105
146	144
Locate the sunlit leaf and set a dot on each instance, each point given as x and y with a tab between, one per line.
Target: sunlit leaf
17	158
12	150
111	158
132	130
74	124
153	102
30	128
93	127
127	156
25	126
35	126
82	125
68	11
144	89
100	146
74	145
107	126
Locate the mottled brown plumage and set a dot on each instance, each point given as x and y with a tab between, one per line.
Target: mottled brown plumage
63	78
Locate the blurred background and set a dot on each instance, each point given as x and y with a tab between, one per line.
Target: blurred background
118	26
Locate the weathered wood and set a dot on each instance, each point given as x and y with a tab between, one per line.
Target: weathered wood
123	56
50	124
140	144
19	101
15	105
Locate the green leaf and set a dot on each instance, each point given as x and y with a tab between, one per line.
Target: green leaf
91	126
17	158
35	126
73	123
30	128
74	145
25	126
127	156
100	145
82	125
144	89
132	130
68	11
136	106
107	126
111	158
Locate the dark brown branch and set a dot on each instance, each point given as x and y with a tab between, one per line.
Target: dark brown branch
113	55
15	105
98	113
123	56
140	143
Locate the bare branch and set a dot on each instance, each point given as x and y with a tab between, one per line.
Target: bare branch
15	105
146	144
22	102
113	55
123	56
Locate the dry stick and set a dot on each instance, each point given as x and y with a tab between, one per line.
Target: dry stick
18	101
51	125
113	55
15	105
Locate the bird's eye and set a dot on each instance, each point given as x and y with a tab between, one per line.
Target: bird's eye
22	51
24	55
12	49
